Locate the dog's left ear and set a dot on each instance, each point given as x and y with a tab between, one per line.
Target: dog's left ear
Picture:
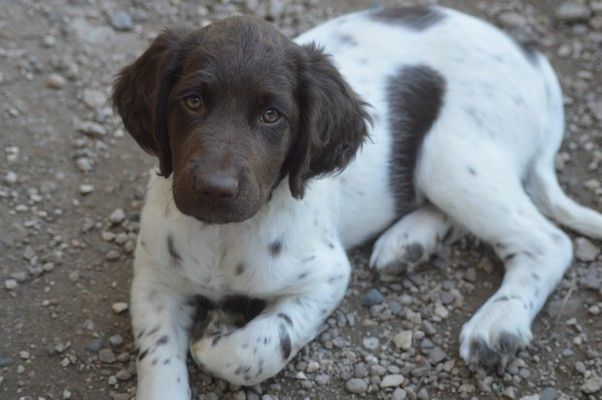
332	122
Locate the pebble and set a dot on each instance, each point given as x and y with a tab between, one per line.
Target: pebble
10	284
116	340
94	98
123	375
121	21
403	340
373	297
371	343
83	164
436	355
91	129
117	216
356	385
591	279
571	12
585	250
548	394
312	367
5	360
510	19
85	189
391	380
398	394
107	356
112	255
592	385
55	81
95	345
120	307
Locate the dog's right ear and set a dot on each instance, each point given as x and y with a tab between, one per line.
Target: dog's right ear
141	90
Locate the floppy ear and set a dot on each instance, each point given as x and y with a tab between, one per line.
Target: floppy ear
333	121
140	94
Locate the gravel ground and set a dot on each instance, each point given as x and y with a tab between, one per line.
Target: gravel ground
72	184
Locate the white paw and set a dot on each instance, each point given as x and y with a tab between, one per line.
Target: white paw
246	356
494	334
395	252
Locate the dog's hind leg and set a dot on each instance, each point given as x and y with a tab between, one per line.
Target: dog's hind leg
482	191
413	239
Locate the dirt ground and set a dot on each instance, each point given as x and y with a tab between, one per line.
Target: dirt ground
72	184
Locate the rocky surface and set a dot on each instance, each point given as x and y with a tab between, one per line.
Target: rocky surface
72	184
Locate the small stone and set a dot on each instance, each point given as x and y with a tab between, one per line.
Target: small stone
594	310
10	284
372	298
436	355
398	394
95	345
24	354
403	340
116	340
441	311
592	385
322	379
510	19
55	81
117	216
91	129
356	385
312	367
121	21
107	356
94	98
66	394
11	177
510	392
548	394
5	360
371	343
123	375
86	189
83	164
120	307
572	12
391	380
591	279
112	255
585	250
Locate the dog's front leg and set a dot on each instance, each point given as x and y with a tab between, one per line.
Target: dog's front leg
161	320
263	347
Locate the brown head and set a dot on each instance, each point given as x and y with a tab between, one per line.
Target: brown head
233	108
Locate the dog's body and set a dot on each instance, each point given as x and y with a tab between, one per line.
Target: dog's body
462	117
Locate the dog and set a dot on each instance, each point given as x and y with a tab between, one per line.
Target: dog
415	125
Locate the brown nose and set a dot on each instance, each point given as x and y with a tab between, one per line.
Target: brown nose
221	184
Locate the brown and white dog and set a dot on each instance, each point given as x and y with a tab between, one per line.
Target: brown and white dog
457	121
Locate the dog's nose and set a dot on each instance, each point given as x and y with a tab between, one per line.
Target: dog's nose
220	184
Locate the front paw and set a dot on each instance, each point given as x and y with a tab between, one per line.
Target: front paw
246	356
495	333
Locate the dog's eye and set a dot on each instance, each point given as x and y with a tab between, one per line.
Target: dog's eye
270	115
193	102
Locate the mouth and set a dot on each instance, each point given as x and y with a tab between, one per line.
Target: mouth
219	213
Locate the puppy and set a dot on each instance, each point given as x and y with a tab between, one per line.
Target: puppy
422	125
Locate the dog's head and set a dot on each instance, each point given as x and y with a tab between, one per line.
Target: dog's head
233	108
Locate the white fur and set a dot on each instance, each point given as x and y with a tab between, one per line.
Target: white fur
520	107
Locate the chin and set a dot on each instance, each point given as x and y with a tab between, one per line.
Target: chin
219	215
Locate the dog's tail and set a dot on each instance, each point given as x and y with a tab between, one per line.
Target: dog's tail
543	183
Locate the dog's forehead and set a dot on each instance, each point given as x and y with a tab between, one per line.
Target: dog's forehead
240	48
245	35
